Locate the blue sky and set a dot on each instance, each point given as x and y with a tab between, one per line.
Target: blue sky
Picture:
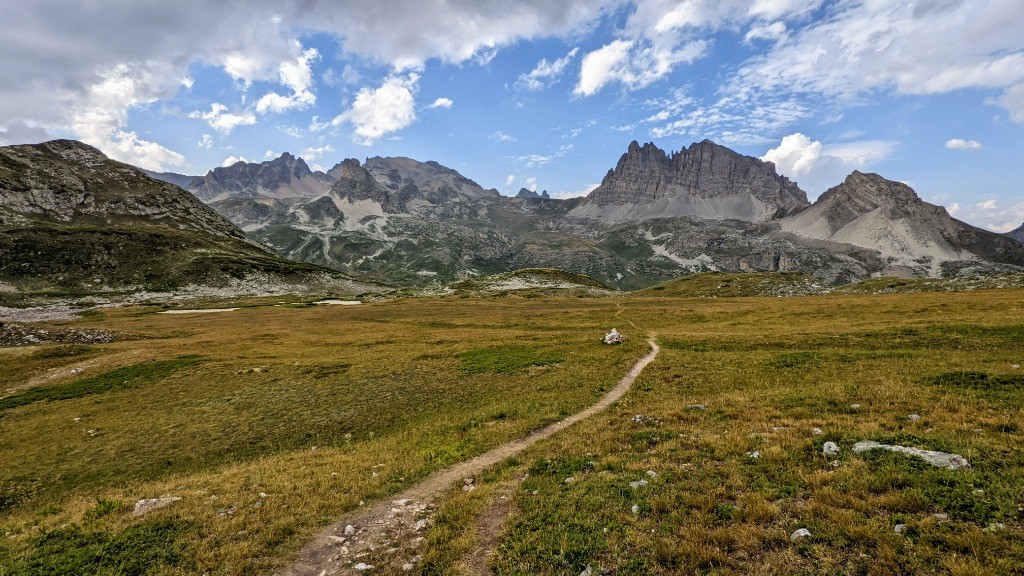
537	94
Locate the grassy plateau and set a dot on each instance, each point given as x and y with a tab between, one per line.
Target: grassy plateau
273	420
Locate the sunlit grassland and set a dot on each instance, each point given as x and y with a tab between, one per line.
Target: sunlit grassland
769	371
317	408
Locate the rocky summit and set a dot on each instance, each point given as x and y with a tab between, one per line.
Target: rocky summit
72	220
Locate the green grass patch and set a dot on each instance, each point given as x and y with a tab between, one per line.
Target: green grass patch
141	549
119	379
506	360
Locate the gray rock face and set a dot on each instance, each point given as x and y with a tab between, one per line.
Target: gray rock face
911	235
706	181
1017	234
284	177
531	195
435	181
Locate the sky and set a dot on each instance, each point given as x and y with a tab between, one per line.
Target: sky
541	94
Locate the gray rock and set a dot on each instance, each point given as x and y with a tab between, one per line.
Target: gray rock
900	528
914	417
830	449
362	567
612	337
149	504
638	484
817	431
800	534
350	530
933	457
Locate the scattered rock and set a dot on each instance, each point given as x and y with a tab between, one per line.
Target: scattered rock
800	533
149	504
652	474
408	567
362	567
830	449
469	487
913	417
753	455
612	337
817	431
635	508
855	406
697	407
350	530
570	480
933	457
638	484
900	528
995	527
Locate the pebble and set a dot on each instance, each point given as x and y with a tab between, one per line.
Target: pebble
362	566
408	567
638	484
830	449
913	417
900	528
754	455
350	530
635	509
817	431
570	480
469	487
800	533
855	406
652	474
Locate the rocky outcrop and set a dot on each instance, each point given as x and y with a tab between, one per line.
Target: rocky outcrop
911	235
705	181
435	182
284	177
532	195
1017	234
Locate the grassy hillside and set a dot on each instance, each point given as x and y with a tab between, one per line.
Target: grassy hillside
269	437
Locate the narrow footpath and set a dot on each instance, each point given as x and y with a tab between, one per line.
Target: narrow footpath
396	526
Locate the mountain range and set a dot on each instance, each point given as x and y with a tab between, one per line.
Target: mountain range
655	216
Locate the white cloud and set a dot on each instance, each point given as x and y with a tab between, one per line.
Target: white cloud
531	184
269	154
545	73
987	205
223	121
232	160
442	103
537	160
817	167
377	112
295	74
508	181
310	154
205	142
776	31
916	48
500	136
960	144
575	193
953	209
602	66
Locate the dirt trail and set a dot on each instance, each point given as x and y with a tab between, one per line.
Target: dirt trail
391	526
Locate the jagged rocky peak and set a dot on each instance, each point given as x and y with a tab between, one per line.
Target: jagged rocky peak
285	176
861	193
532	195
705	181
432	178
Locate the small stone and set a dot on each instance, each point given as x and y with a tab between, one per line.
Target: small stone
467	481
350	530
817	431
697	407
799	534
652	474
635	509
914	417
402	502
900	528
419	525
612	337
469	487
836	464
753	455
1015	366
830	449
569	480
263	494
362	566
638	484
344	550
855	406
941	516
338	539
408	567
588	571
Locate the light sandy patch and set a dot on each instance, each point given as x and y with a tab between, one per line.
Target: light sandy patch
199	311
